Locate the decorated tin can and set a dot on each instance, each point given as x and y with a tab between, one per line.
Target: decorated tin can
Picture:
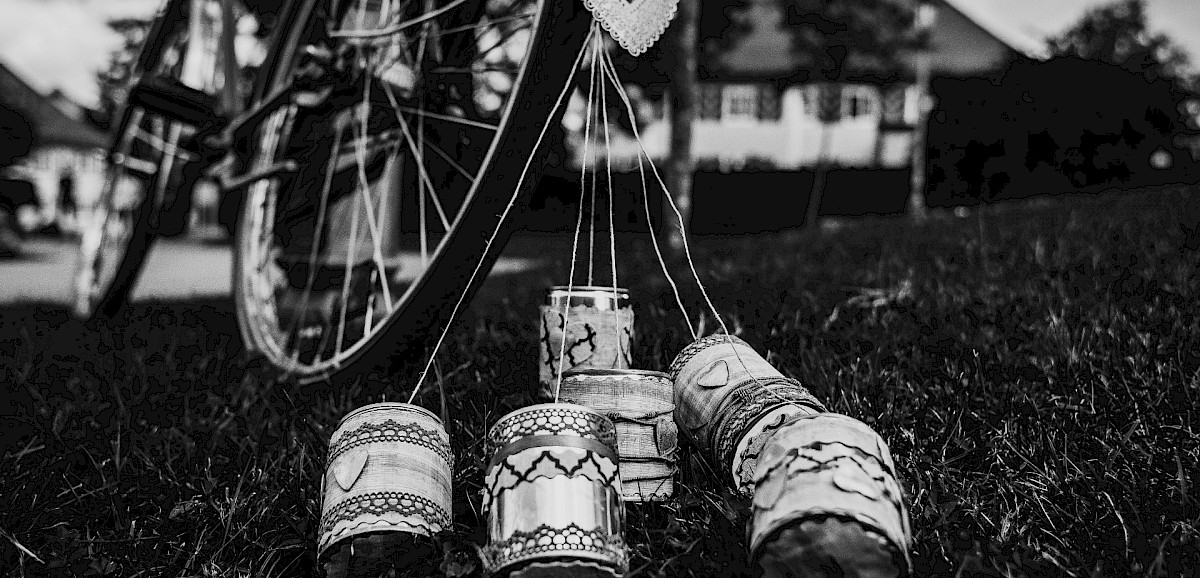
726	395
827	502
552	495
598	323
388	471
640	404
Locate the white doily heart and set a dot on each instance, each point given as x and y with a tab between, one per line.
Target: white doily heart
635	24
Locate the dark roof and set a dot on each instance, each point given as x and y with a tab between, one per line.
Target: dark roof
771	60
50	124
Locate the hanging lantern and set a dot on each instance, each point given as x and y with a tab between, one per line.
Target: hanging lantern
388	471
826	502
552	495
728	399
640	405
599	328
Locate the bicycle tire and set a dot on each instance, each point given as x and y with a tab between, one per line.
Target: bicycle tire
558	30
108	265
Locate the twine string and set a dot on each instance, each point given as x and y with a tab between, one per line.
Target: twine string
612	230
611	74
595	39
503	216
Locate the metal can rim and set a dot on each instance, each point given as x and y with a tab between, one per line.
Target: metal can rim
536	406
611	372
392	405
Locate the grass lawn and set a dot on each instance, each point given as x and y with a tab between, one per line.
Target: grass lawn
1035	370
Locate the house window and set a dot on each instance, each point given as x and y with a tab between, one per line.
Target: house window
858	102
824	102
710	101
739	103
893	104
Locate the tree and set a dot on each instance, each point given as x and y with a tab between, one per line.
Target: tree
1118	34
16	140
842	40
681	165
114	80
1112	49
16	136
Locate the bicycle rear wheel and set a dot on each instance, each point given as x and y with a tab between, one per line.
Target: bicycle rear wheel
153	158
412	124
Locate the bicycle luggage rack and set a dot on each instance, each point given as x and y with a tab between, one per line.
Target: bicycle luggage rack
175	100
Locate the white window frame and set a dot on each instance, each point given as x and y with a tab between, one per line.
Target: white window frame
912	104
730	93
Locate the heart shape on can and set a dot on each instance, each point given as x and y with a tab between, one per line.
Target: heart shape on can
635	24
715	375
348	468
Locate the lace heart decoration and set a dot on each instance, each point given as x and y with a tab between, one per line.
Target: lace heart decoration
635	24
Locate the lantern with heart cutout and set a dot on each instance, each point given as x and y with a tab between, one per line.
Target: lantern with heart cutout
388	475
728	399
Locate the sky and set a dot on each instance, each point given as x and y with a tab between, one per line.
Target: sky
63	43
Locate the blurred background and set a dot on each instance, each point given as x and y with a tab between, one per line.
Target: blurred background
844	107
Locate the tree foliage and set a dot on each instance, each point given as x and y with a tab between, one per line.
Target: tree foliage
16	136
1112	98
1118	34
114	79
832	40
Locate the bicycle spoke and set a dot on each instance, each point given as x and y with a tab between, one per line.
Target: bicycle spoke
379	33
473	70
351	254
453	163
437	204
412	141
298	323
488	24
364	188
450	119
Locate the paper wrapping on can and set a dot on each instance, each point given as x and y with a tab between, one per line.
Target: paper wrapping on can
640	405
552	495
722	387
827	502
388	469
595	337
751	443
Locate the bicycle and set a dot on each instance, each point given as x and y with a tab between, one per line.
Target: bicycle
372	156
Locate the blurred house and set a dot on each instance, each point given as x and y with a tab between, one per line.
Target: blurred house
66	165
760	109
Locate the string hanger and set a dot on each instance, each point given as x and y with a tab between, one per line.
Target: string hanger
602	75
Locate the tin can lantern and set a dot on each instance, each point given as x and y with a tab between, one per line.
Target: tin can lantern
552	495
827	502
640	404
388	471
727	397
598	322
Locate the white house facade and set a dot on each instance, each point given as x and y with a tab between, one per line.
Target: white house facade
756	120
66	165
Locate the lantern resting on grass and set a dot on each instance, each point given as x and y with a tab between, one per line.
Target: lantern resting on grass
386	488
641	407
826	501
552	495
599	327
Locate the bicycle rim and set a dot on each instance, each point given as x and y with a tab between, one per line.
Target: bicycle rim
404	168
148	153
